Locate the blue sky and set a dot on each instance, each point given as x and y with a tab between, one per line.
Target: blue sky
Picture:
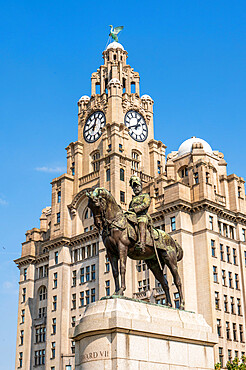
191	57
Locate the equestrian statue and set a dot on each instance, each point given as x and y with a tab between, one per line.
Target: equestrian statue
131	234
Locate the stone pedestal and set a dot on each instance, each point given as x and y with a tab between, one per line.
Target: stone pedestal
121	333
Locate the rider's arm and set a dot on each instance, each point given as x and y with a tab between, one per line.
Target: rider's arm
145	203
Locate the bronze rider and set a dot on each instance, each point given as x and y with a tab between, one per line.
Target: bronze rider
140	204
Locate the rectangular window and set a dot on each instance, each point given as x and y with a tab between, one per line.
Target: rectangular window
55	280
53	349
176	300
40	334
54	302
22	316
107	287
241	333
231	232
73	301
42	312
219	327
122	196
120	148
232	305
227	330
236	281
217	301
196	177
213	248
82	275
73	321
25	273
73	168
223	278
93	295
88	273
230	279
211	223
54	326
225	230
20	359
87	296
93	272
221	252
234	254
219	227
56	258
225	303
74	278
122	174
221	356
23	295
58	217
244	235
73	346
108	174
239	306
107	265
81	298
234	330
21	337
228	255
229	355
215	274
59	196
173	224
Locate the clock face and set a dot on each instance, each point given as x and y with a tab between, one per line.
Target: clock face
138	129
93	126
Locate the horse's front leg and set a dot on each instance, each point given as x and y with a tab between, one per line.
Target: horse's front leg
123	256
115	270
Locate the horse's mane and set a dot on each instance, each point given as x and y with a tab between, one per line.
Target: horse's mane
102	191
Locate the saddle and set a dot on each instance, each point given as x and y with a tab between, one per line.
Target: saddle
161	239
132	229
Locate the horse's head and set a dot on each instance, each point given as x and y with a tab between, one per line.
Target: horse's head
97	199
97	202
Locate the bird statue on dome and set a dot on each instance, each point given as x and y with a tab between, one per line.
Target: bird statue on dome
114	32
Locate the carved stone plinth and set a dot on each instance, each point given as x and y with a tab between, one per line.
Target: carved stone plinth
121	333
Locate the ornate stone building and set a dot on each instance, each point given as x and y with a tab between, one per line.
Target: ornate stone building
63	264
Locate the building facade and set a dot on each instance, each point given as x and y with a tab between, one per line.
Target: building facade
63	264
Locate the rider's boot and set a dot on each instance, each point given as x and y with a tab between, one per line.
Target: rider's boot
142	229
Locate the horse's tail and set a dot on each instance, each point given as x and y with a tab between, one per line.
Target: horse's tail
179	251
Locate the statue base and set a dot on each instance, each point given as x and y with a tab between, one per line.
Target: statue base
123	333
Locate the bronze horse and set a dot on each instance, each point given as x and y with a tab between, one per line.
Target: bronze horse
112	222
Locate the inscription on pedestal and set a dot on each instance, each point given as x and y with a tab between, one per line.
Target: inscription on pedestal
94	355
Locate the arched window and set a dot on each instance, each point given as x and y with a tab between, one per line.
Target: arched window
86	213
96	161
42	293
122	174
135	160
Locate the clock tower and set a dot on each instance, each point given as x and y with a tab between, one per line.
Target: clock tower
115	130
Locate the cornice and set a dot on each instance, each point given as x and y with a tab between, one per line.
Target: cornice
202	205
25	260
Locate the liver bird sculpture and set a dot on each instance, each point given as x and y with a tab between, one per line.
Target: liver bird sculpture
114	32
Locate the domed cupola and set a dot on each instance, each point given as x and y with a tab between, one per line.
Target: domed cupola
188	145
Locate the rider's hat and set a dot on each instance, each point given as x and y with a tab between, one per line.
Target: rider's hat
135	180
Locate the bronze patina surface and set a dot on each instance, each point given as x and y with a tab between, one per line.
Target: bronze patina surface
131	234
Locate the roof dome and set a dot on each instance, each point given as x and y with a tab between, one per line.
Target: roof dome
186	146
114	81
114	45
84	97
146	97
